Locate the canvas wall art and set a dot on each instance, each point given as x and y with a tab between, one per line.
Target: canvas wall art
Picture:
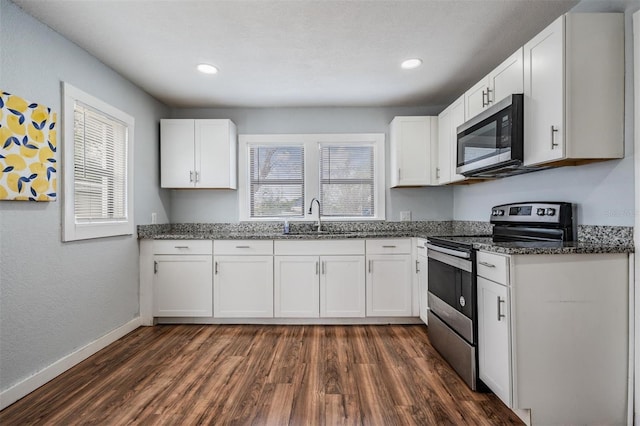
28	168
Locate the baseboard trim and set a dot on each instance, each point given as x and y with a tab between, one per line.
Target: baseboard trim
23	388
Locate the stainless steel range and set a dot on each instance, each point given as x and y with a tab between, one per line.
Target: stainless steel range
453	328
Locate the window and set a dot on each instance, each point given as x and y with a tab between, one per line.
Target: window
347	181
280	174
276	176
98	174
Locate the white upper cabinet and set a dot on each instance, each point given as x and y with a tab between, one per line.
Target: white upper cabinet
414	151
574	90
505	79
448	122
198	153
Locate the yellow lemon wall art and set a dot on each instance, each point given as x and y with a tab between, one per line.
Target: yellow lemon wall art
27	150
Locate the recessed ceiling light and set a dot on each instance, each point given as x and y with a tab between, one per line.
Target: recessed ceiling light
207	69
410	64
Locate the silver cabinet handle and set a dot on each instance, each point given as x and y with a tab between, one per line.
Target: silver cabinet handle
488	265
215	268
399	174
191	176
554	130
484	104
420	247
317	267
243	247
370	266
500	314
324	265
489	97
389	246
437	172
181	247
197	177
155	267
417	266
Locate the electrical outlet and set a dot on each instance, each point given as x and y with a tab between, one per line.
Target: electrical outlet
154	218
405	216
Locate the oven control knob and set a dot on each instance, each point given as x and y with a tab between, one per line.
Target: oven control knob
500	212
550	212
494	213
462	301
540	212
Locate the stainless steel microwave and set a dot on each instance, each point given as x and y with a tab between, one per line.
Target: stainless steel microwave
491	144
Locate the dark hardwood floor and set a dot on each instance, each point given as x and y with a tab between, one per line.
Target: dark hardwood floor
262	375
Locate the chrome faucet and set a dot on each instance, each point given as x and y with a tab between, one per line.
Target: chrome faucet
311	212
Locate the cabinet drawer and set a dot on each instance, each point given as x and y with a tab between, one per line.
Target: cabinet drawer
319	247
182	247
493	267
389	246
240	247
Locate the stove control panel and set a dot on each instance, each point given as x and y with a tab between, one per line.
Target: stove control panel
533	212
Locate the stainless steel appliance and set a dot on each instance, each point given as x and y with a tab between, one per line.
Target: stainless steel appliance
453	328
491	143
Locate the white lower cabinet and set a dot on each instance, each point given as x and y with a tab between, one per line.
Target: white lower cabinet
342	287
547	324
182	286
297	286
319	279
389	278
422	276
243	286
243	279
182	276
494	354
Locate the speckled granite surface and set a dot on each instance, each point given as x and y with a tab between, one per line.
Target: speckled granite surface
591	239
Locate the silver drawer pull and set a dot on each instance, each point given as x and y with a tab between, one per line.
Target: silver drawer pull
488	265
181	247
388	246
500	314
243	246
420	247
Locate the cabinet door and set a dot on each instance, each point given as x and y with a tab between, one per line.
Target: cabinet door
456	119
215	154
389	285
507	78
475	99
544	95
443	171
243	286
412	151
177	154
342	286
297	287
423	286
182	286
494	355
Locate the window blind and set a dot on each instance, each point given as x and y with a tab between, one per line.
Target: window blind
100	166
347	184
276	175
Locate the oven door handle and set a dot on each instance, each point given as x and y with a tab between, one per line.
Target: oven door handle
455	253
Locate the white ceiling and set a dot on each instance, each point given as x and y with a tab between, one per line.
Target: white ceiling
275	53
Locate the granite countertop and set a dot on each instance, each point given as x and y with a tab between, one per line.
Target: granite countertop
592	239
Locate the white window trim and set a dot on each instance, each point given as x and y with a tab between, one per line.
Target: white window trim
311	171
72	231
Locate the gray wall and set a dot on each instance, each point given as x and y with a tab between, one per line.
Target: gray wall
604	192
222	206
55	297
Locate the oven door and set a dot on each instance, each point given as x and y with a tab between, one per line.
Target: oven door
451	291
